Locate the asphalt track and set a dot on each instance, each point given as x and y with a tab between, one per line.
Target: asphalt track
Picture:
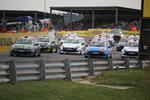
52	56
49	57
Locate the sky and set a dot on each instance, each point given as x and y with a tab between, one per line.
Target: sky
43	5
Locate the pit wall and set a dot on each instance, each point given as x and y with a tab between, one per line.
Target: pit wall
6	39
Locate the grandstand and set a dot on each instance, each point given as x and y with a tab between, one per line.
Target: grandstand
101	15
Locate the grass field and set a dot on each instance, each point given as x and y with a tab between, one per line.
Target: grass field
64	90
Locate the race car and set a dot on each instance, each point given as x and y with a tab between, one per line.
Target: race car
67	37
105	36
70	34
47	44
117	34
98	49
25	46
121	44
73	46
130	49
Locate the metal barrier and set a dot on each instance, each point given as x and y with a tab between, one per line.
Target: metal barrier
14	71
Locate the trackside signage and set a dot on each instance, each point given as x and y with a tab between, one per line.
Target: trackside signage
146	8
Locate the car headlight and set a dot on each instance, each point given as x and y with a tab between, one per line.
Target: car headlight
86	50
12	47
124	50
122	35
61	47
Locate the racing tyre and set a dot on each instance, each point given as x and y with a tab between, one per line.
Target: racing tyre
110	56
11	54
122	57
51	50
39	54
34	54
85	56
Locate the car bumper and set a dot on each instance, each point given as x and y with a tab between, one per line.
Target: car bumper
22	52
99	55
70	52
130	54
119	48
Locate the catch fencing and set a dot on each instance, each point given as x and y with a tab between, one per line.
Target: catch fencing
13	71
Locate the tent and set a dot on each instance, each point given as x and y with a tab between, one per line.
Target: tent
24	18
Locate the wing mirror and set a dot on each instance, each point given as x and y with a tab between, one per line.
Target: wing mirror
12	42
109	46
83	44
36	44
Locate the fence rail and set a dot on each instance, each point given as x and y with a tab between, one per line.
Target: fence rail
14	71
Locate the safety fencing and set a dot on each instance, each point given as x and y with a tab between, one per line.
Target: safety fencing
13	71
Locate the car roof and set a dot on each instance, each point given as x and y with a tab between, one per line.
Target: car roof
26	37
43	37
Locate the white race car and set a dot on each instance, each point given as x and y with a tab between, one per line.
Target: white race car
73	46
130	49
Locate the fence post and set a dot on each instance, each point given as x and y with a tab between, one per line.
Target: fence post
42	70
68	69
127	63
140	64
13	75
110	64
91	66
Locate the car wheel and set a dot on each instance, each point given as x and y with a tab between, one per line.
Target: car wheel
34	54
110	55
56	49
117	49
122	56
51	50
60	53
85	56
11	54
39	54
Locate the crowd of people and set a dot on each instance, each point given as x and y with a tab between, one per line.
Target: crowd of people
81	25
84	24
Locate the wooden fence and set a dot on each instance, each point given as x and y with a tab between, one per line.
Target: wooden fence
14	71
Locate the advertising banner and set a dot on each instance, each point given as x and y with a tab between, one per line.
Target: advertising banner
146	8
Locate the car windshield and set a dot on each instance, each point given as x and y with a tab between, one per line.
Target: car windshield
43	40
116	31
132	44
97	44
72	41
24	41
124	40
65	38
68	37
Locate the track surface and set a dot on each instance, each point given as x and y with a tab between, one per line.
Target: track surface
52	56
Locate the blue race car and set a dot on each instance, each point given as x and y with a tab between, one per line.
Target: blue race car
98	49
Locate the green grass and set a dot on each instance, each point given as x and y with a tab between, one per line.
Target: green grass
64	90
133	77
